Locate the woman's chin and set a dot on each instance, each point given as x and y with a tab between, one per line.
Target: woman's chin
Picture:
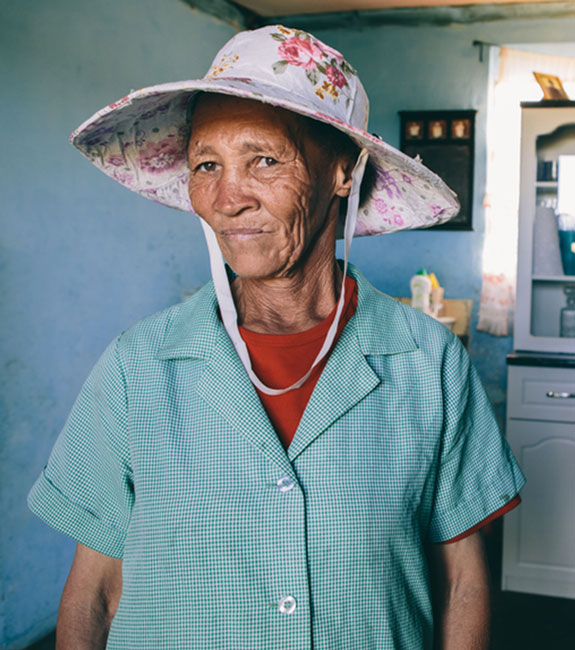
250	268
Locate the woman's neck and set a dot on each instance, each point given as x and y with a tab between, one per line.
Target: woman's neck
291	304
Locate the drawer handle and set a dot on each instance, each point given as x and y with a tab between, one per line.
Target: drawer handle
555	395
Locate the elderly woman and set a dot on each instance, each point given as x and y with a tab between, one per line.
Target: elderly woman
290	459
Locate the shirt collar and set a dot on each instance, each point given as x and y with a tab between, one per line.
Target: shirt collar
379	322
195	328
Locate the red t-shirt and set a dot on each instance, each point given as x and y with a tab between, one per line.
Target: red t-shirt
279	360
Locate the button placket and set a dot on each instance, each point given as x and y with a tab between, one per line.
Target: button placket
287	604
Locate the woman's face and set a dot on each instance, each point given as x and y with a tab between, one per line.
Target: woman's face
264	185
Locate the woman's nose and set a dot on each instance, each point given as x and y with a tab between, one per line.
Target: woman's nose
233	196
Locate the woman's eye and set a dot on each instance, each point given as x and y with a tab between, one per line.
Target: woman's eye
207	166
267	161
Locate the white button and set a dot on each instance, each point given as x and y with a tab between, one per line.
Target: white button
285	484
287	605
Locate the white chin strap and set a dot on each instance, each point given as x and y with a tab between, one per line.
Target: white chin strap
226	301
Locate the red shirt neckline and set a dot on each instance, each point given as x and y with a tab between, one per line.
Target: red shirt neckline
306	336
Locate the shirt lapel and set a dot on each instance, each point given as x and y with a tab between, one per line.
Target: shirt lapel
346	379
197	332
226	387
379	326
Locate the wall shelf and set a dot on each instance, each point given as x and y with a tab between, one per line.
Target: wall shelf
554	278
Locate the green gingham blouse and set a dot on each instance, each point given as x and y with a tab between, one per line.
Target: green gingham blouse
228	542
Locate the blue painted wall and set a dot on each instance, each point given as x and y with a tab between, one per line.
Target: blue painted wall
83	258
431	67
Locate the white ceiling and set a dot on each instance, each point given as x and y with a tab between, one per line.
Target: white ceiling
293	7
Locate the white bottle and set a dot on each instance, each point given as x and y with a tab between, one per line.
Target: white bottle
420	293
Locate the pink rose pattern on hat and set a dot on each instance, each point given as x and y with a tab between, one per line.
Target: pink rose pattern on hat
335	76
324	67
300	52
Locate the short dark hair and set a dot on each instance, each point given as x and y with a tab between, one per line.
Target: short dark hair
337	143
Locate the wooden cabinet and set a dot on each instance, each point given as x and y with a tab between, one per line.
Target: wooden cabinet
539	536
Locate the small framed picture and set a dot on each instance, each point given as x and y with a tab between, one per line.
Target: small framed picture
551	86
460	129
437	129
414	130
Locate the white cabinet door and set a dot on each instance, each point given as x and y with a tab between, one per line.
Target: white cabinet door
539	535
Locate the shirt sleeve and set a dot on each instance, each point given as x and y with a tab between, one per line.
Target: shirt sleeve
86	489
508	507
477	473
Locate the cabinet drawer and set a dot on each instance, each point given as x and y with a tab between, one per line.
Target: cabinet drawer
539	393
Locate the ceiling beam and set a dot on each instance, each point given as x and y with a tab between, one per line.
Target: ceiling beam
242	18
228	12
439	16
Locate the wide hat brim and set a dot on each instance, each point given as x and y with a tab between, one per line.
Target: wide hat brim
141	142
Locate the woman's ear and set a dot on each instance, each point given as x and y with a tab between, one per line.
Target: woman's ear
343	171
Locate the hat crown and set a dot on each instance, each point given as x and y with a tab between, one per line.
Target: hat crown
314	74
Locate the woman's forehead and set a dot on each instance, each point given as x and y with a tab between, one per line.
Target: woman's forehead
215	114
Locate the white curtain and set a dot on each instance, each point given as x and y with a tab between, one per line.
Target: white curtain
514	83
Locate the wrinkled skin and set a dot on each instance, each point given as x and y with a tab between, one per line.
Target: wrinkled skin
271	193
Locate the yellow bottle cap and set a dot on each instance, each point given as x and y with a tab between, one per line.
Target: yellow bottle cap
434	281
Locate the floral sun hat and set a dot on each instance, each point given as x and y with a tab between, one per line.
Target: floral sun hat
141	140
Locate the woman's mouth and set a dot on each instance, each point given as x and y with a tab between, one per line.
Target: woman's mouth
242	233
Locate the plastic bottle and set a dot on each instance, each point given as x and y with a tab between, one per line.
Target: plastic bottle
421	287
